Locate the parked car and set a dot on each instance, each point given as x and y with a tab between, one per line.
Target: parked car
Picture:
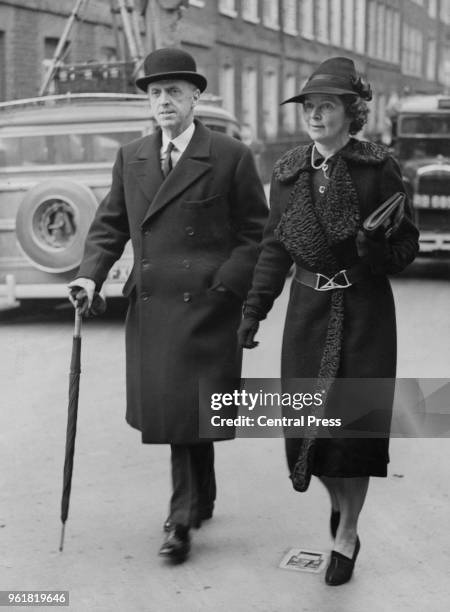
56	155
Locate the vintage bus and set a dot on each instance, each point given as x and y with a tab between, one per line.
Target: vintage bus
56	156
421	139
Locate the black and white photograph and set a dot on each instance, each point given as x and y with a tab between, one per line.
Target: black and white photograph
224	305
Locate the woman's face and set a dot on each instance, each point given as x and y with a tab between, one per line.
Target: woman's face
325	118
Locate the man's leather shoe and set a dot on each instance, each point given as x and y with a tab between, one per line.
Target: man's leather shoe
177	544
205	515
340	568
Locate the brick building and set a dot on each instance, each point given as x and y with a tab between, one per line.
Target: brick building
255	53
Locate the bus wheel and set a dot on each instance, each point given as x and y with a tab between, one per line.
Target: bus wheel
52	223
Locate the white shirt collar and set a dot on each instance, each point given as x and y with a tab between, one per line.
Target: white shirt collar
181	141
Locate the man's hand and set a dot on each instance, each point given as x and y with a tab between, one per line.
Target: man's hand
247	331
81	294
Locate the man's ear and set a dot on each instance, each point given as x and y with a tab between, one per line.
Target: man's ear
196	96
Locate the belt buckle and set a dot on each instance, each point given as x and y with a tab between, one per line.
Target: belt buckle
330	283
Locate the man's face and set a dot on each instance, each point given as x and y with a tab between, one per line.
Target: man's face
172	104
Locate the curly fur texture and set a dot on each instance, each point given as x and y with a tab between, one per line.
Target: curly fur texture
288	167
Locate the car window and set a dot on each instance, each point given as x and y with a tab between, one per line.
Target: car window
48	149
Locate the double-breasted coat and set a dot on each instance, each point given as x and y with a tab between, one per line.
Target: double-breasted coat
199	227
306	232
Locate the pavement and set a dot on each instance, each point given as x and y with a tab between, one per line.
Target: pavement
121	488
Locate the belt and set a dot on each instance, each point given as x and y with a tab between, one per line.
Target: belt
340	280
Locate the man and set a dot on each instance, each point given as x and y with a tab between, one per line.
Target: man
194	208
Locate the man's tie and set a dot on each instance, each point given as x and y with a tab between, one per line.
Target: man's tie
167	162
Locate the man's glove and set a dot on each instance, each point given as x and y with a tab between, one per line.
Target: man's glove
81	295
247	331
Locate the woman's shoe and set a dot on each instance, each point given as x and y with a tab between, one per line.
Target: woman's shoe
335	518
340	568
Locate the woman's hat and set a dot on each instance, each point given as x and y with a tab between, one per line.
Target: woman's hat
336	76
170	63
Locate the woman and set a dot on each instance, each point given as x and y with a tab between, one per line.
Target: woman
337	325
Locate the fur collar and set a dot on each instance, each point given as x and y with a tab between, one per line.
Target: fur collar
297	160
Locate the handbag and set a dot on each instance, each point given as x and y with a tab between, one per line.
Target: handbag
387	216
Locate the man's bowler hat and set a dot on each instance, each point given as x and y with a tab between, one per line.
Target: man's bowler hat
336	76
170	63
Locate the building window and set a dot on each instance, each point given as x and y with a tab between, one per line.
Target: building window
226	87
396	37
418	52
250	10
348	24
389	42
228	7
444	68
371	29
381	15
270	103
270	14
445	11
336	22
412	51
432	8
289	110
360	26
2	67
307	18
50	45
108	54
431	60
250	100
290	17
322	20
197	3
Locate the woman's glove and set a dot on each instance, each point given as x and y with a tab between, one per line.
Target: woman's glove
374	250
247	331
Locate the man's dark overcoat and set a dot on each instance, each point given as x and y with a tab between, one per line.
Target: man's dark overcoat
199	227
367	175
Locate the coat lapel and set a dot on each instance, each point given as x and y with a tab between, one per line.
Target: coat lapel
146	167
193	164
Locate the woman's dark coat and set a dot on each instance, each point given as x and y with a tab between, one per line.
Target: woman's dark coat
368	347
198	228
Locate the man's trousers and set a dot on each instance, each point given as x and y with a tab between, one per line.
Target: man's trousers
193	483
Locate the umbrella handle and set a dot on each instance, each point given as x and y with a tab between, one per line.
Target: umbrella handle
77	325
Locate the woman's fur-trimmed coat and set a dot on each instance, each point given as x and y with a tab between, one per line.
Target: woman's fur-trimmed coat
321	236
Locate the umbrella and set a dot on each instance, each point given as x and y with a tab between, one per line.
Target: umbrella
98	306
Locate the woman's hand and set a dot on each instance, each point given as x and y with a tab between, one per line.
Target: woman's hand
247	331
372	249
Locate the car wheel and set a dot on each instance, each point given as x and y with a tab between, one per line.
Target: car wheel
52	223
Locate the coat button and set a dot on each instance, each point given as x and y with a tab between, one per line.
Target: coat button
145	263
186	263
187	297
146	232
145	297
190	231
